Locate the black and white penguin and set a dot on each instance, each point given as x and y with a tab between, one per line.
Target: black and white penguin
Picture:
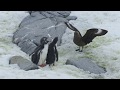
52	55
39	55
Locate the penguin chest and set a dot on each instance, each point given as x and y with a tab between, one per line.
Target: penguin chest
43	55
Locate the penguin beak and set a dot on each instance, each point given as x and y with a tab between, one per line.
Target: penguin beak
49	39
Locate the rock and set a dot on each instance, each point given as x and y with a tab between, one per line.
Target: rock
23	63
87	65
39	24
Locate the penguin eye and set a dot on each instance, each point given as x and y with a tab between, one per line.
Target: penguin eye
45	40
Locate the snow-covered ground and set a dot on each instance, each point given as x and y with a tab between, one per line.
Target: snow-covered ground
103	50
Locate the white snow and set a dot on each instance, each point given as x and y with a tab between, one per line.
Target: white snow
104	50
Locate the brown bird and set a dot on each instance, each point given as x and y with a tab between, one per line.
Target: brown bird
80	40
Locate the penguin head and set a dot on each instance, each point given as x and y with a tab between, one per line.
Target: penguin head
55	40
44	40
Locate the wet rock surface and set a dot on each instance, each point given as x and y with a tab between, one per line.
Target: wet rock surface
23	63
87	65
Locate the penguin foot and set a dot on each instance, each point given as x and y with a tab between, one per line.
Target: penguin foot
42	65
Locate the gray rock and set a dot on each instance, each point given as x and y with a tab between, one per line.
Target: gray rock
23	63
39	24
87	65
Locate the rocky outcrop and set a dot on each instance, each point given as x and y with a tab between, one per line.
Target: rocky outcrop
39	24
87	65
23	63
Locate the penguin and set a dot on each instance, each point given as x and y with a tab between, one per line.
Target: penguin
38	57
52	55
43	55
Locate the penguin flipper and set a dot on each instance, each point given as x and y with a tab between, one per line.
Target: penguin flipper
35	58
56	53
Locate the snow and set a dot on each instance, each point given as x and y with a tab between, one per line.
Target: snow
104	50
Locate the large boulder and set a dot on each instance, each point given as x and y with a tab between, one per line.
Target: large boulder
23	63
39	24
87	65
